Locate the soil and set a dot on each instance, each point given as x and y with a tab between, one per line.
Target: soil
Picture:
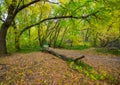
38	68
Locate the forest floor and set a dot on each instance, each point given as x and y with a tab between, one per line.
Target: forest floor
38	68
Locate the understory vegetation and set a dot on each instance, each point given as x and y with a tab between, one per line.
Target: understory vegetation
89	71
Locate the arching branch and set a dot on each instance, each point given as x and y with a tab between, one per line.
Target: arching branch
57	17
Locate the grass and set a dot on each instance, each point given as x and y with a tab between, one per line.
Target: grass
80	47
24	49
105	50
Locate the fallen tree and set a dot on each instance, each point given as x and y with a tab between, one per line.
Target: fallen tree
61	56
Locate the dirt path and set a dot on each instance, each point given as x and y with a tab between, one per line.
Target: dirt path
109	63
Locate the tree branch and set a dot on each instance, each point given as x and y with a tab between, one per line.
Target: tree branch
26	5
1	19
56	17
53	2
59	17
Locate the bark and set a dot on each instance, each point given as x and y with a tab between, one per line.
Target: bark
17	43
57	54
63	57
79	58
3	33
5	26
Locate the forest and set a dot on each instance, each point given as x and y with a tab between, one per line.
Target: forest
59	42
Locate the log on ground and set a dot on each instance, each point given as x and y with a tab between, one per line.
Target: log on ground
61	56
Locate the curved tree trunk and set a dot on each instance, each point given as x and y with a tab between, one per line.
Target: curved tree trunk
5	26
3	33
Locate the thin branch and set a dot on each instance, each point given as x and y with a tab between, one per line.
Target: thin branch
26	5
32	2
2	20
53	2
18	4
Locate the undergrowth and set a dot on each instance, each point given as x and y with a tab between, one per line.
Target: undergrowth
109	51
80	47
89	71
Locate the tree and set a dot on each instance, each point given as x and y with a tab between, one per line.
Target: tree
13	9
70	9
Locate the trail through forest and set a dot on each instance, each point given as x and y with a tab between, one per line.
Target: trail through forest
108	62
43	68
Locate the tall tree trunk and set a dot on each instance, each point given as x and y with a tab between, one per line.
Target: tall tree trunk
17	41
3	33
86	35
39	36
95	40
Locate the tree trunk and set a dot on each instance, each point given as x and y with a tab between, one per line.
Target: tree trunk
63	57
17	41
95	40
4	27
3	31
86	35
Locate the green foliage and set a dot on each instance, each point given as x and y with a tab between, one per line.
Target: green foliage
99	28
79	47
108	51
89	71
